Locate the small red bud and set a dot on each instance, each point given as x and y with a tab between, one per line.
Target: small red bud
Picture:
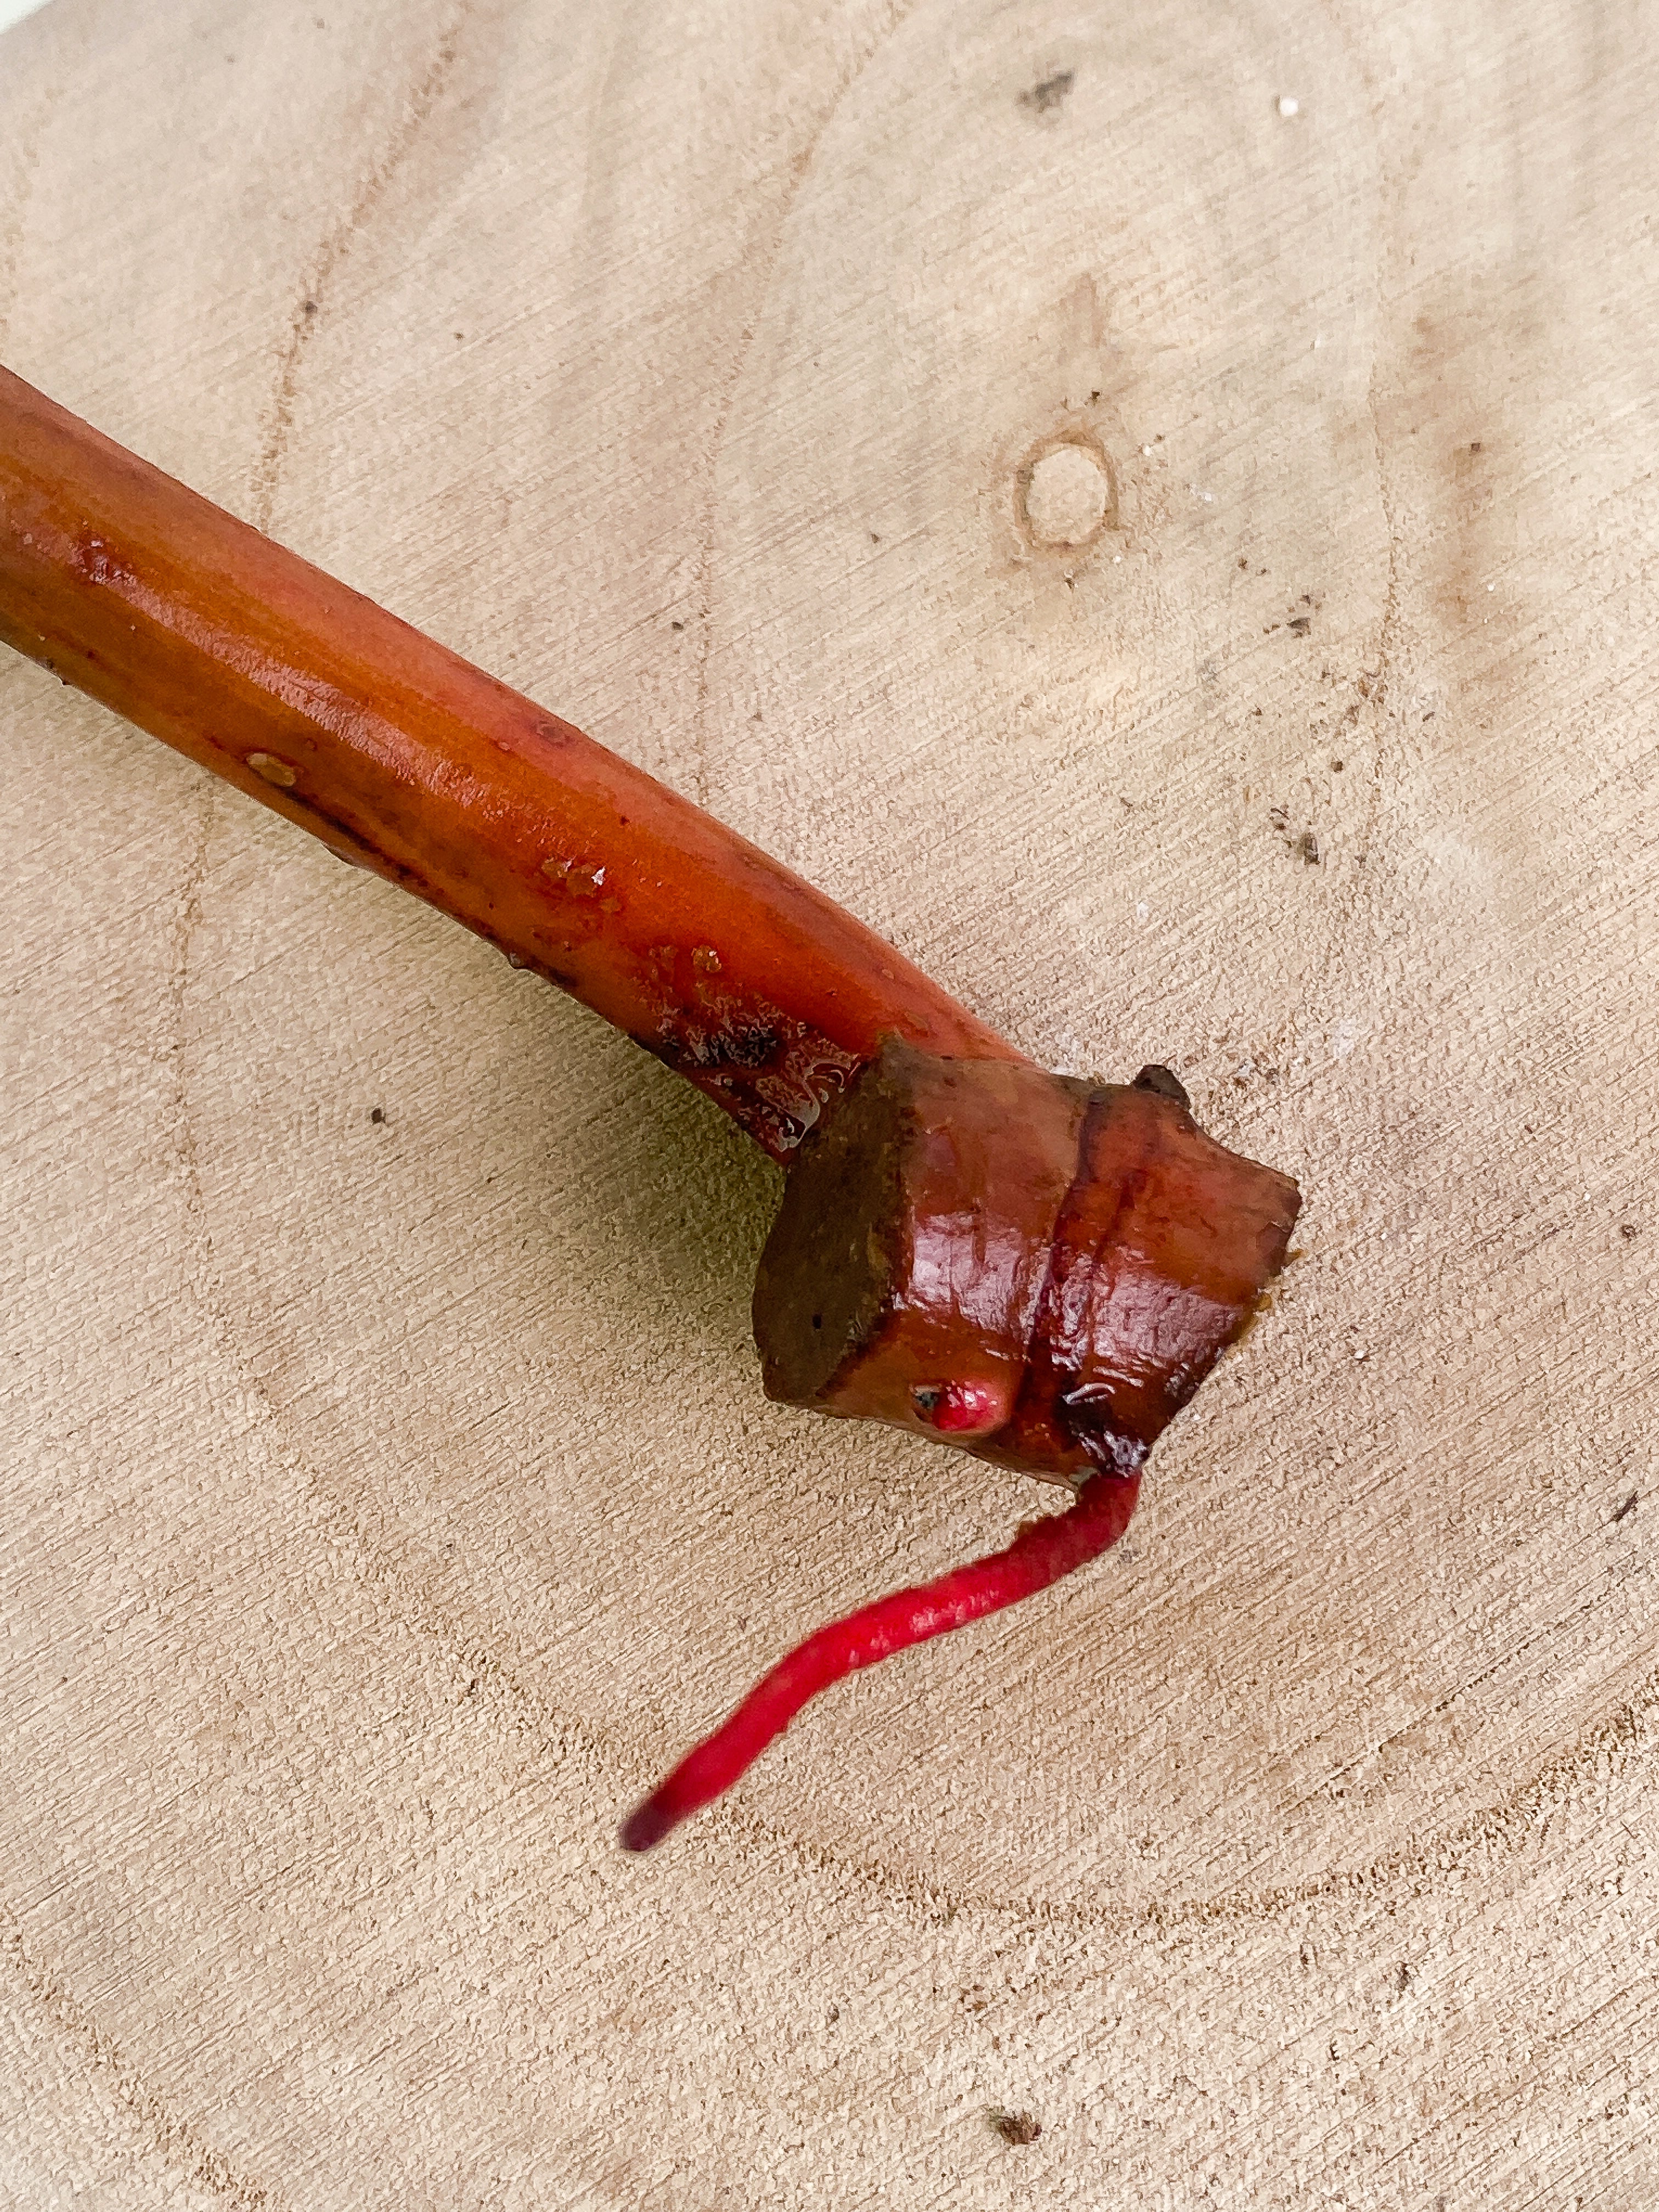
957	1409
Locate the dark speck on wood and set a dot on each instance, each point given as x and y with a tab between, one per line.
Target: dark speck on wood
1044	98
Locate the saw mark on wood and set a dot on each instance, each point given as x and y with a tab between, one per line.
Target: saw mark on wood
177	2142
799	167
1388	625
187	921
11	233
514	1710
1497	1831
338	244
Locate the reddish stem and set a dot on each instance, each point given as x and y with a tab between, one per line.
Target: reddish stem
1040	1554
759	989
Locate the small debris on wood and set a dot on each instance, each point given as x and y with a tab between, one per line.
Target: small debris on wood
1013	2127
1627	1509
1050	94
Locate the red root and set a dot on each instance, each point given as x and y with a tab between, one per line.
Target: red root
1041	1553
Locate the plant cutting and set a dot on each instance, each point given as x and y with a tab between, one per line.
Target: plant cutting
1034	1269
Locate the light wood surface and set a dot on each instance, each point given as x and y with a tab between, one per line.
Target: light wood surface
386	1500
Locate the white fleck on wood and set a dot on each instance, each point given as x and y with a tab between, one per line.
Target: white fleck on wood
388	1491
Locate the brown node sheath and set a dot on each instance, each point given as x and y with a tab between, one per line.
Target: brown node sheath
1034	1269
1080	1253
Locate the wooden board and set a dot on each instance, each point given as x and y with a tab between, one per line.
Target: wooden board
388	1492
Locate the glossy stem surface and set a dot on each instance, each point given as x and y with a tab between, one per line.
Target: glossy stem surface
404	758
1041	1553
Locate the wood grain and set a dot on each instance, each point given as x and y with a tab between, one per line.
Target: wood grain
387	1499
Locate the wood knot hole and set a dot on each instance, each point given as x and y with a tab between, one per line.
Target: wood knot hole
1066	496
